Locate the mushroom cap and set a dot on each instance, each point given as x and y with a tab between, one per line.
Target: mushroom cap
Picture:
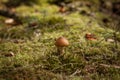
61	42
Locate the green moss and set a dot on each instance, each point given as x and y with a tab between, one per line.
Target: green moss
35	52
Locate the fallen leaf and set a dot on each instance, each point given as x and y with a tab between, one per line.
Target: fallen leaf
10	54
10	21
33	24
110	40
62	9
90	36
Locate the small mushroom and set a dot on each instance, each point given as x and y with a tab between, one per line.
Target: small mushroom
60	43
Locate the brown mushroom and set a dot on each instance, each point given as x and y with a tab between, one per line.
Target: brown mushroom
60	43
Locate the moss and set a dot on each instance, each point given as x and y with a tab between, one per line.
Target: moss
35	52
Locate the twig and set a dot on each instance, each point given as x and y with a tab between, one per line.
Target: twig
110	66
76	72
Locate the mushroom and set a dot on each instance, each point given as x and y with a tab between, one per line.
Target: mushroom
60	43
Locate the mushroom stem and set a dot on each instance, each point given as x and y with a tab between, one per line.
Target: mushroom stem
60	50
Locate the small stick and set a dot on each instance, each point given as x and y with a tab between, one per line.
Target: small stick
109	66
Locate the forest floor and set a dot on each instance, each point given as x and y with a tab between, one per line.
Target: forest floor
28	51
